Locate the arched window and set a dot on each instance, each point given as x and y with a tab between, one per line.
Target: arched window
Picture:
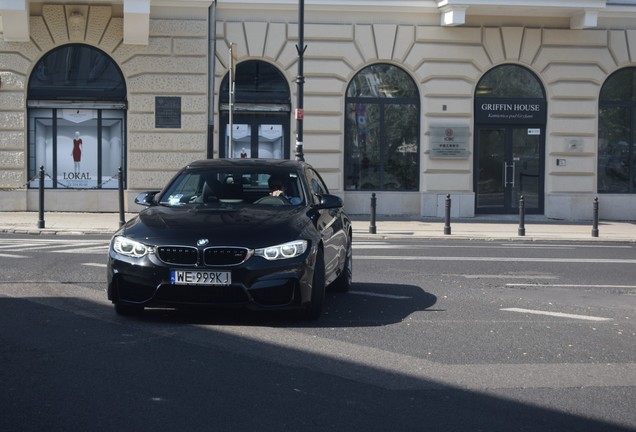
382	145
256	81
77	116
77	72
510	81
617	133
261	109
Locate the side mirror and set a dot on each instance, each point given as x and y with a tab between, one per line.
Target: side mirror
329	201
146	199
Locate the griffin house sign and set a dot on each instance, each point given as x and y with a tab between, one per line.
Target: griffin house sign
503	111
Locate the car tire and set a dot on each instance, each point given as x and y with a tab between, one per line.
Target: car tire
314	308
344	281
128	309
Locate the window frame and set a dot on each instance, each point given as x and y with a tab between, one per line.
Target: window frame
96	111
610	159
380	95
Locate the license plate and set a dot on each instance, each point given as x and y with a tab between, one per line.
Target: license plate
200	277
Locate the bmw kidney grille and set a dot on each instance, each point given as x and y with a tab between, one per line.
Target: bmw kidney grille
224	256
180	255
214	256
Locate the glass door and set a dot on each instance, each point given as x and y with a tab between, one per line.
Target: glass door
509	165
527	169
256	136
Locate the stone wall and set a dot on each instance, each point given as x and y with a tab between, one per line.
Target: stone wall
446	63
174	63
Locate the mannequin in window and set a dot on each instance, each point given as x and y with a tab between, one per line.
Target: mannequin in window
77	152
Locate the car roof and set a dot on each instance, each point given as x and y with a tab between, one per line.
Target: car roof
247	163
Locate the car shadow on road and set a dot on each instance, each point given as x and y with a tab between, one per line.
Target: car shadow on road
374	304
365	305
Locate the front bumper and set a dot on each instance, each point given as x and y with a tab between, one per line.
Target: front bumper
256	284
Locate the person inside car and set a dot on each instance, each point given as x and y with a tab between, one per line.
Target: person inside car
277	188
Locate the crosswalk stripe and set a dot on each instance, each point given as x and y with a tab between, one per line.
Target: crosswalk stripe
4	255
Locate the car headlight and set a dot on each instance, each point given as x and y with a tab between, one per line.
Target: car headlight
283	251
131	248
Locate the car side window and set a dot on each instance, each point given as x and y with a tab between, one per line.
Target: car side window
316	184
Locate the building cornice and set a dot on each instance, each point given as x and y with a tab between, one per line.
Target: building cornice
581	13
15	16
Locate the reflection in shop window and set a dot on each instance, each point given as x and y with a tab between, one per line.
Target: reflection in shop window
382	144
76	72
617	133
510	81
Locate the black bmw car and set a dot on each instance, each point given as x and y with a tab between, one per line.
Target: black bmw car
253	233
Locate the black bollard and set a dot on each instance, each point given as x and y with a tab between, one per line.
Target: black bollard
595	221
372	227
122	219
522	217
447	226
41	200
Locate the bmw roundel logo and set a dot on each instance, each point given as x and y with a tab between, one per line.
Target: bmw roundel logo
202	242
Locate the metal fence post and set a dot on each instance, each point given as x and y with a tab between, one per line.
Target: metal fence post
522	217
447	227
41	199
372	227
595	221
120	175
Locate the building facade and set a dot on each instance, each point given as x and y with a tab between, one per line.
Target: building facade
529	103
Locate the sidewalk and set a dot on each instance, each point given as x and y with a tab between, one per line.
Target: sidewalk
502	227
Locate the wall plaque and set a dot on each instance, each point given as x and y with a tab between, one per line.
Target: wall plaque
167	112
449	142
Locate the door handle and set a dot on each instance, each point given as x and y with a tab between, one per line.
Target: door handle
505	174
512	183
506	166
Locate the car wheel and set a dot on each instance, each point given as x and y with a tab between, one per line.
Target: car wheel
314	308
128	309
344	281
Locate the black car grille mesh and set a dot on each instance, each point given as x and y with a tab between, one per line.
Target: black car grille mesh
224	256
182	255
215	256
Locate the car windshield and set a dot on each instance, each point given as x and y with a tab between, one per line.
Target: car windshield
234	187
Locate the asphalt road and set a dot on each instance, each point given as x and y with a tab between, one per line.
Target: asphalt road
435	335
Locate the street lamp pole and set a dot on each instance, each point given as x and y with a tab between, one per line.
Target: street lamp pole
300	81
232	78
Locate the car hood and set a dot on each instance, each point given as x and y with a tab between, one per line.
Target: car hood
242	225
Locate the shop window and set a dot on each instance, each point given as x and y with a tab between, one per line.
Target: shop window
76	109
617	133
382	145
